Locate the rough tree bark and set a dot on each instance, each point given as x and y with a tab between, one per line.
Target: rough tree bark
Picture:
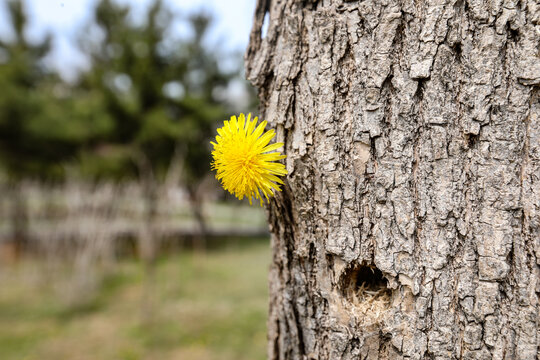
410	223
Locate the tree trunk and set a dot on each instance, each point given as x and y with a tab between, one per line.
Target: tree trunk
409	226
196	205
19	219
148	239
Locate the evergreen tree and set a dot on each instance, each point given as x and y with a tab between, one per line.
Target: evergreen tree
160	93
37	132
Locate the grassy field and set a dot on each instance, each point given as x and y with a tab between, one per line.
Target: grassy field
203	307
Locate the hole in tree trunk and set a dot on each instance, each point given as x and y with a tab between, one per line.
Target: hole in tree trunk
370	278
366	288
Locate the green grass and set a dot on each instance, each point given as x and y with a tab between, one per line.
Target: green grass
197	307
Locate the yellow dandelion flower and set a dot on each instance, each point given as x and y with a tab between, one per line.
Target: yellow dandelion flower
245	163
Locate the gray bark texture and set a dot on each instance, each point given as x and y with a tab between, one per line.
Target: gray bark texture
409	225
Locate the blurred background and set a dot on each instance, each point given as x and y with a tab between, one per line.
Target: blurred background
116	241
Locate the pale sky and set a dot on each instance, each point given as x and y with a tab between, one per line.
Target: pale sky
63	18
